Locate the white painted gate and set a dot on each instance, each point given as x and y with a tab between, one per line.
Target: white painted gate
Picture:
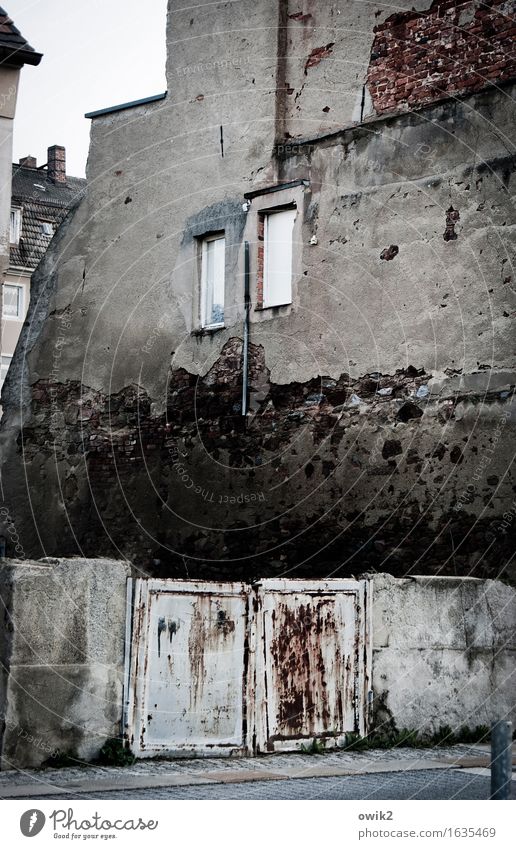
226	668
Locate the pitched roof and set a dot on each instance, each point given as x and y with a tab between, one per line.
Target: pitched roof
41	202
14	48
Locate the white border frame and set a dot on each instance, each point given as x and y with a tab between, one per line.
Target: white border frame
212	237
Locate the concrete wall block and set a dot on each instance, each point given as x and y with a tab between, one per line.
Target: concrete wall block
444	651
463	613
70	709
435	687
63	652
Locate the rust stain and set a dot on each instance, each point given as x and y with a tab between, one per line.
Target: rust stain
298	656
196	646
137	630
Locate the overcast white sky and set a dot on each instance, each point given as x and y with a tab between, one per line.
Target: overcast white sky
96	53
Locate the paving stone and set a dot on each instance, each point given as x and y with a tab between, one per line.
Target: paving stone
429	784
291	763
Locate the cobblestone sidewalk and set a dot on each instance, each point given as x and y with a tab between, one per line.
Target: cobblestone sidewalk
149	774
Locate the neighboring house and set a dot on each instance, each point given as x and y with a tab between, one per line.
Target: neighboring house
41	197
14	53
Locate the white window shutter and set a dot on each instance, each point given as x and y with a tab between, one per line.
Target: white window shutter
213	282
277	287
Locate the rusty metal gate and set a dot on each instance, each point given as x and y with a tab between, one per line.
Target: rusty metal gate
228	668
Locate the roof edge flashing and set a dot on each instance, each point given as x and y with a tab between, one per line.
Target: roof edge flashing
278	187
121	106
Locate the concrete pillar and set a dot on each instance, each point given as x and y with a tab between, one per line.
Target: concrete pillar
62	657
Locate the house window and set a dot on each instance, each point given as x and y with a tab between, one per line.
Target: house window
15	226
277	267
47	228
212	281
4	365
13	301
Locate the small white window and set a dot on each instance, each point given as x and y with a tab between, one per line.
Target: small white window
13	301
15	226
277	279
212	281
4	365
47	228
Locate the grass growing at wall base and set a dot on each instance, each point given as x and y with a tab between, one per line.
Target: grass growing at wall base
115	753
407	738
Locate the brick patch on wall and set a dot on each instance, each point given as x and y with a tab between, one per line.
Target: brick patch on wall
453	48
128	475
260	261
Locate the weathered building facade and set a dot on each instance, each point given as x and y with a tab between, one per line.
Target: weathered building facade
380	366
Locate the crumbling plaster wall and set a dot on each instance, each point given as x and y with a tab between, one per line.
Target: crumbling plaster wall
62	655
394	183
124	421
443	652
346	62
327	48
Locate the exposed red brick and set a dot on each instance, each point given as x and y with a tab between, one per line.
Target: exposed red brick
420	57
317	54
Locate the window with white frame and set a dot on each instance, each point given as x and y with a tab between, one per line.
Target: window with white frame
15	226
213	257
13	301
277	265
5	362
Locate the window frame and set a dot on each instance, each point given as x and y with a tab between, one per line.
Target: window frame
266	216
21	301
205	240
15	225
2	357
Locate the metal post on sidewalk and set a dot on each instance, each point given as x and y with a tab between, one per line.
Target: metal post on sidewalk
501	759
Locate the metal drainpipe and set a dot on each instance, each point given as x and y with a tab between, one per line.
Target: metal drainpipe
247	302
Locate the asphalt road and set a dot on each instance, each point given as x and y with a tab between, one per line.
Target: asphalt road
428	784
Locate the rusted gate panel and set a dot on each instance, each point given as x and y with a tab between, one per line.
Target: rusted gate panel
189	668
222	668
313	672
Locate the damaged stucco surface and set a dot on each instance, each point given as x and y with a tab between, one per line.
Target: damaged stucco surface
62	654
443	652
327	48
122	430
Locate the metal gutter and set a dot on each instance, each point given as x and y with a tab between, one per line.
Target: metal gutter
16	57
247	302
267	190
152	99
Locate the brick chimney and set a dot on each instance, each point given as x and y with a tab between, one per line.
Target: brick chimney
28	162
56	163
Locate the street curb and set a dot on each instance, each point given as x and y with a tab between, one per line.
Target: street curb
142	782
